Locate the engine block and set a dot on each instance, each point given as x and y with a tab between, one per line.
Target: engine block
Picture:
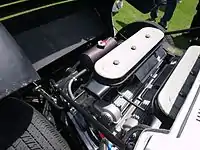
122	83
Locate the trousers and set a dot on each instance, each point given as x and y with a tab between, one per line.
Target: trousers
169	11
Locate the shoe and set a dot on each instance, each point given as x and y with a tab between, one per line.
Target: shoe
153	15
117	6
163	24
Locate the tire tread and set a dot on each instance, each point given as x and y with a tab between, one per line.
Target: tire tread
40	135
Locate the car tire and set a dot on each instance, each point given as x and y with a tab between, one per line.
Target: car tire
134	27
24	128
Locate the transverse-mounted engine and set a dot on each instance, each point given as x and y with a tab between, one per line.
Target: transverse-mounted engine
82	87
114	90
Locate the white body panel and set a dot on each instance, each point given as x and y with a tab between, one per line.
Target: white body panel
184	133
170	91
143	42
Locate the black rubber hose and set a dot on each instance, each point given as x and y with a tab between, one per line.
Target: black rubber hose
133	130
69	87
182	31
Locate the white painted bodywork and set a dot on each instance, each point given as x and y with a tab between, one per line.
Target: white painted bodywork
143	42
184	133
170	91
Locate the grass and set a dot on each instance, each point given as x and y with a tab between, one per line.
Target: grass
182	17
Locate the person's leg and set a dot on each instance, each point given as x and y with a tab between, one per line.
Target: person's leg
154	12
170	8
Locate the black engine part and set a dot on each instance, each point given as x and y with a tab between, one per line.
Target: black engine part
89	57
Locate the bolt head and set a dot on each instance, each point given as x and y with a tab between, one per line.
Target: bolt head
147	36
133	47
116	62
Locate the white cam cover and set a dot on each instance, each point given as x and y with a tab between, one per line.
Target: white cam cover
123	58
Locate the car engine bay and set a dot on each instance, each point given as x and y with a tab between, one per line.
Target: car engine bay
116	92
69	81
114	87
